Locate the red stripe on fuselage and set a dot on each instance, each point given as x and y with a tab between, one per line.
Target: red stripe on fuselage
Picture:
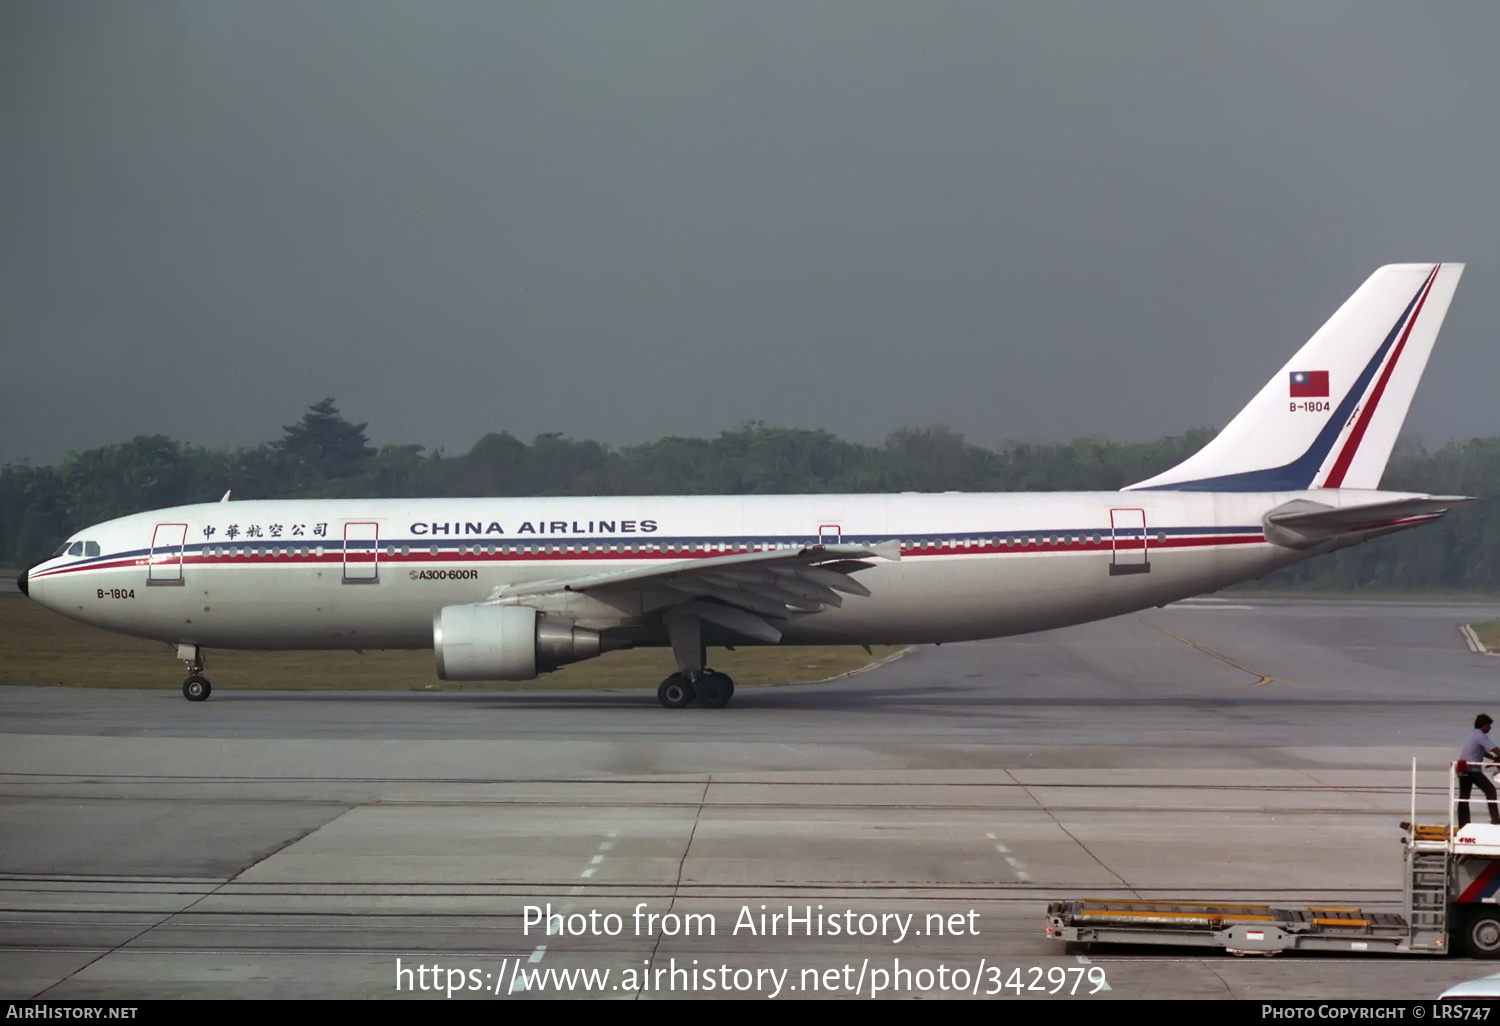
113	564
666	552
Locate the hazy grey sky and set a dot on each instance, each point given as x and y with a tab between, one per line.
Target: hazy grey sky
621	220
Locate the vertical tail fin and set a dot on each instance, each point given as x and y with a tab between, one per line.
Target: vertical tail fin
1330	417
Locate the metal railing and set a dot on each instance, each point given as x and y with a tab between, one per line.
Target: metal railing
1456	771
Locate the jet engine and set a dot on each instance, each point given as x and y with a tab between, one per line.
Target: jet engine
478	642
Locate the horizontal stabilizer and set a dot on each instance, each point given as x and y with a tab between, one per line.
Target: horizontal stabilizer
1301	523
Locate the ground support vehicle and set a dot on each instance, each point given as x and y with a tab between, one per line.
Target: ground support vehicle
1452	876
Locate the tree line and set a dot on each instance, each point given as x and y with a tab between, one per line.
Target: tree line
324	455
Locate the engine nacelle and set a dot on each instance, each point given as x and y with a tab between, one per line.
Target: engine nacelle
476	642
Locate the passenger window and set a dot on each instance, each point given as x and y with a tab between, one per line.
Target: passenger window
90	548
76	549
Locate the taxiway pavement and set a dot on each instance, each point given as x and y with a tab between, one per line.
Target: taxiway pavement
298	844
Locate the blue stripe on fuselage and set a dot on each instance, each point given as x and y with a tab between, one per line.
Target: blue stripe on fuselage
447	548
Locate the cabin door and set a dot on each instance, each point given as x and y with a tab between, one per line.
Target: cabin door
165	566
361	553
1128	530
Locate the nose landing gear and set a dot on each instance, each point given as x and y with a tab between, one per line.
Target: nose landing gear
196	688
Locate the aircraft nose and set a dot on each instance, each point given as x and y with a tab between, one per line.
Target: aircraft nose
21	583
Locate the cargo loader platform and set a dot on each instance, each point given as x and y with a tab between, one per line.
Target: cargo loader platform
1450	894
1241	929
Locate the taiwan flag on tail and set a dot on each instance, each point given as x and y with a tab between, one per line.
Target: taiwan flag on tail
1309	384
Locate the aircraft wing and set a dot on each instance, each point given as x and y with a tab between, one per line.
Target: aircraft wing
745	592
1302	523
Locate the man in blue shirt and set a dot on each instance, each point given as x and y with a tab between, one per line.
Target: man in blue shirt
1477	747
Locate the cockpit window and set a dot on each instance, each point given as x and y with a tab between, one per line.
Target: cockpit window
90	548
76	549
60	550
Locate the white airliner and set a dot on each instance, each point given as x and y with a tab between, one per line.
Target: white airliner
504	589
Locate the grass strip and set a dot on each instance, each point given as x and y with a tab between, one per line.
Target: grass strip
39	647
1488	633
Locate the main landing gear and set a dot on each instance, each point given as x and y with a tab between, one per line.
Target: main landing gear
196	688
710	688
693	681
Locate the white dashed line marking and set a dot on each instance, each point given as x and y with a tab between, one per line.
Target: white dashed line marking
587	873
557	927
1017	866
519	982
1104	985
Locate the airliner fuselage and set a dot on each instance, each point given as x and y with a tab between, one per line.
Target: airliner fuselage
504	589
371	573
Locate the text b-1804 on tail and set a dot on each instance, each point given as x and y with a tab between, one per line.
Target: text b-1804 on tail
506	589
